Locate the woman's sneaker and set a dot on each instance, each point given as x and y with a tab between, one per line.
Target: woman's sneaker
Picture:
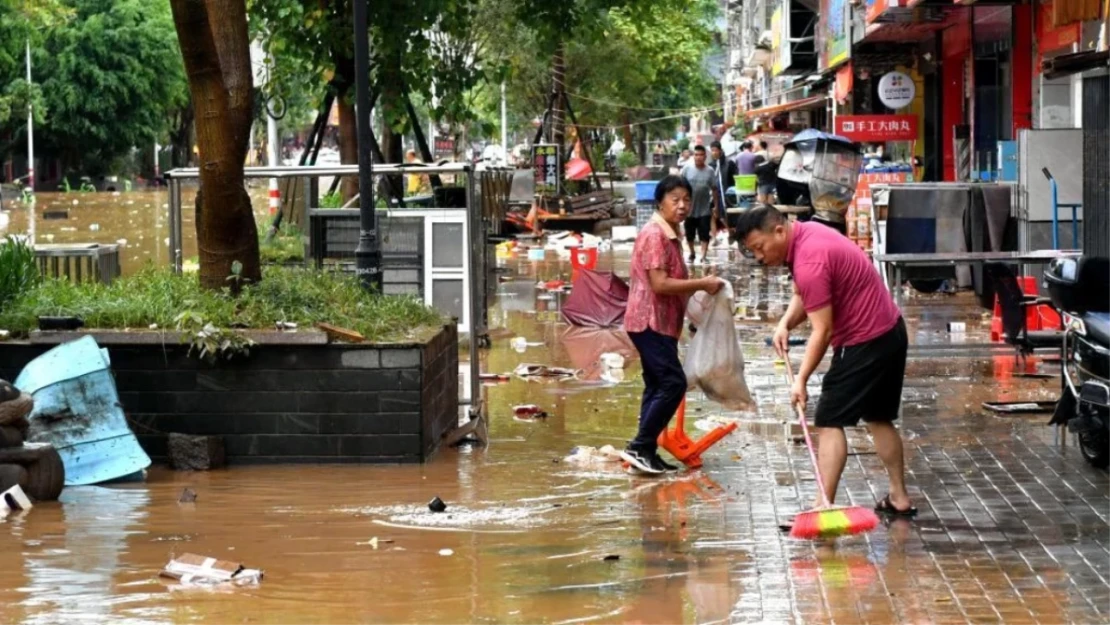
658	462
641	461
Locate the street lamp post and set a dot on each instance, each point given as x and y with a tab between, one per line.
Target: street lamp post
368	255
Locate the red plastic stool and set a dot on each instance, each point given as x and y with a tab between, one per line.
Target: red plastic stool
685	450
1036	317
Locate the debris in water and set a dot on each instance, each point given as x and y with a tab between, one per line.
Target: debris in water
529	411
611	558
191	569
187	496
526	370
593	456
446	552
93	227
493	377
14	500
437	505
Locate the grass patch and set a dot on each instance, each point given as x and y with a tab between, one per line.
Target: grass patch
158	296
287	246
18	270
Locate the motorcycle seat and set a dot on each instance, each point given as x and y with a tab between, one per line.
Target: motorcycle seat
1098	327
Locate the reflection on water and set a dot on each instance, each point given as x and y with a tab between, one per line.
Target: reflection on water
136	220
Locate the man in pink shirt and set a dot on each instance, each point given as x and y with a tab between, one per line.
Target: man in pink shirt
839	290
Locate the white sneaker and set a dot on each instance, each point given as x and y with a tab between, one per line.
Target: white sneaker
640	462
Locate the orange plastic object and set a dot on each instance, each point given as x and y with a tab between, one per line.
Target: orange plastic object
687	451
583	257
1036	317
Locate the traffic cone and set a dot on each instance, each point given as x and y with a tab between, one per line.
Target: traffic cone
685	450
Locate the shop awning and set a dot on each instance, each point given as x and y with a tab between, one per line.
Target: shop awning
794	105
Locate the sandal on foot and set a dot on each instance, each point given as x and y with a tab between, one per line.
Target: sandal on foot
887	508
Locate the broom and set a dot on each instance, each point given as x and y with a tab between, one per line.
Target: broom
828	521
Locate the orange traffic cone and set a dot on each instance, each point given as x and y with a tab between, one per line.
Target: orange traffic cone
687	451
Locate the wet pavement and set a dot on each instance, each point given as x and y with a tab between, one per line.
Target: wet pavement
1013	525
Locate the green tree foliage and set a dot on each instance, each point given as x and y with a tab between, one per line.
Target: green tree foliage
626	62
111	76
417	43
22	21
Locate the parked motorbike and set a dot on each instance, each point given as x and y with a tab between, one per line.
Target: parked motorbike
1080	291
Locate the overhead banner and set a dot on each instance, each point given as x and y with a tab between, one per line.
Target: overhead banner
877	128
837	42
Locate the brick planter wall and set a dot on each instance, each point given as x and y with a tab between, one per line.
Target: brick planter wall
296	398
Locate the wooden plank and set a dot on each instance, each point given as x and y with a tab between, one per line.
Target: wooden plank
340	334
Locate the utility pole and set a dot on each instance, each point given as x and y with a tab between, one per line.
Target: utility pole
504	127
368	255
30	130
272	159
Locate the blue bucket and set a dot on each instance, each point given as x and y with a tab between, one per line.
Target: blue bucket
77	409
645	190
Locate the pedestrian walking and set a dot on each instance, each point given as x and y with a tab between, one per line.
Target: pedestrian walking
725	173
838	290
766	172
658	289
700	224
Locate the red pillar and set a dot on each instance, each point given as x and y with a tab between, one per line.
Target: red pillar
1021	82
956	44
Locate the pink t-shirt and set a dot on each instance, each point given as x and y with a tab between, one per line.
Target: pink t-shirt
829	269
657	247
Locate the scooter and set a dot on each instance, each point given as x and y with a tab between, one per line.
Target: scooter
1080	291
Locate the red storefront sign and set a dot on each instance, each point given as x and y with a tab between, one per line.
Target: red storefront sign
877	128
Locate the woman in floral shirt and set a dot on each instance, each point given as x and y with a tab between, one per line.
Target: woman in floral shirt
659	287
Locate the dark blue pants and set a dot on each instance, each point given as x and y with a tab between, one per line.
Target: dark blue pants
664	386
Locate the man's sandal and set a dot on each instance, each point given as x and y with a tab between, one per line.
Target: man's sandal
887	508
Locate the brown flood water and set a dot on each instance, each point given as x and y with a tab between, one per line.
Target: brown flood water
136	220
525	537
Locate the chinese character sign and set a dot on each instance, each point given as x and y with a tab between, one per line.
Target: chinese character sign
547	165
877	128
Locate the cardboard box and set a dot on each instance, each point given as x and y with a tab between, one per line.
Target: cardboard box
190	568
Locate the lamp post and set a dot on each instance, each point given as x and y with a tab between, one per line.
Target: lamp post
368	255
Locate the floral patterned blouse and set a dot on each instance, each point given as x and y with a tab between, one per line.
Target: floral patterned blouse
657	247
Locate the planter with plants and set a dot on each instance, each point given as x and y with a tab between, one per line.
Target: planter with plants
378	384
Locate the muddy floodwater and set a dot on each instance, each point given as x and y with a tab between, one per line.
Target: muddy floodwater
138	221
1012	525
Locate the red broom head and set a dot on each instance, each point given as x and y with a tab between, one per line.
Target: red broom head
833	522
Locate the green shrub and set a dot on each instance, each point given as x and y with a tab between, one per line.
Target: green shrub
627	159
158	296
18	270
287	246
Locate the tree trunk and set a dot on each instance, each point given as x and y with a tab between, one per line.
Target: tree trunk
392	108
558	85
626	130
348	142
216	50
181	137
343	81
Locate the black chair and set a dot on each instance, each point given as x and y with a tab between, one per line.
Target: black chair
1013	304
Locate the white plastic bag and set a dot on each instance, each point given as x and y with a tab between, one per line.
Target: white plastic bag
714	361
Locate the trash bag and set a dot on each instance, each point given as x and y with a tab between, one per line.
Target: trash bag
714	361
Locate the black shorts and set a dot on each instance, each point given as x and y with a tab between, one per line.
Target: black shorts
864	381
698	225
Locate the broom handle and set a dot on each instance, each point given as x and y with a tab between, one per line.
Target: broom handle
809	442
